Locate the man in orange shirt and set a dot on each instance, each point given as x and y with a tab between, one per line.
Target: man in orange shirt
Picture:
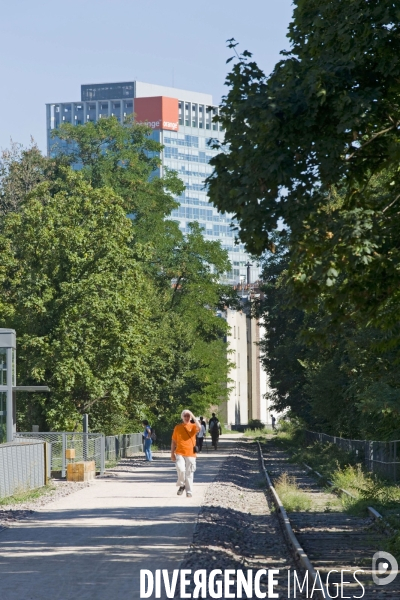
182	451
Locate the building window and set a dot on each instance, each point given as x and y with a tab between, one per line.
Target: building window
234	332
238	388
238	357
194	115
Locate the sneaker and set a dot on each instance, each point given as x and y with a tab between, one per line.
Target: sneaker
181	490
188	494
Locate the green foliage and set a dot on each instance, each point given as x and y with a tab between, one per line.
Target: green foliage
255	424
75	295
328	113
21	169
340	379
258	433
314	147
114	308
27	496
293	498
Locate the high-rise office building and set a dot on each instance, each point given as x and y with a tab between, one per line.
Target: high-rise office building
182	122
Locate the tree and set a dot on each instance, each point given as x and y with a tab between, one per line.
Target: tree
116	314
314	148
21	170
189	363
326	119
76	294
341	380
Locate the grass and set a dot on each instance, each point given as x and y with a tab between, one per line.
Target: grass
257	433
27	496
293	498
225	430
110	464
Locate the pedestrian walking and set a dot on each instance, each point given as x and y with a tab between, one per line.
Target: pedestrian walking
273	421
183	451
214	427
147	441
201	434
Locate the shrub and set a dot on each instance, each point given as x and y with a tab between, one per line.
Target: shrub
255	424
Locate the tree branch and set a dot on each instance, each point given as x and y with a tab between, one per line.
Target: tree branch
372	139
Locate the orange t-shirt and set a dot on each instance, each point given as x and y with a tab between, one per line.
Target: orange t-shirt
185	438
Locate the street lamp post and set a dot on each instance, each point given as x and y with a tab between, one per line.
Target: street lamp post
7	381
8	386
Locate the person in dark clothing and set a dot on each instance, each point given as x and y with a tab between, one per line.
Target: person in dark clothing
214	427
273	421
201	434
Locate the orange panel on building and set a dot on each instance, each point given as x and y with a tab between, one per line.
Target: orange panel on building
159	112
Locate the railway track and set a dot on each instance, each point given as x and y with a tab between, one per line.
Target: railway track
337	544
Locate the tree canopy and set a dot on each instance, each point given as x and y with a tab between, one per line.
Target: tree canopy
307	146
309	168
114	308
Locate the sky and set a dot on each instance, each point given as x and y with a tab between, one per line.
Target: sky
49	48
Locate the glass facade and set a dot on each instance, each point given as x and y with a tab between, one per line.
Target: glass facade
108	91
186	151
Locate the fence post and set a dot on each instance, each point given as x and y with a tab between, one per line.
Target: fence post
63	461
102	454
46	462
85	427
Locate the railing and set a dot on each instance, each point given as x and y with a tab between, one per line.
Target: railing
122	446
23	466
87	446
382	458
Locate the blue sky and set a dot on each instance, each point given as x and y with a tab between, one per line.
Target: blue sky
48	48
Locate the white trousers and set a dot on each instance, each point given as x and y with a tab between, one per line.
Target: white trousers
185	467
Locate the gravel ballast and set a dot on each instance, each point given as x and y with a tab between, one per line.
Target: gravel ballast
237	527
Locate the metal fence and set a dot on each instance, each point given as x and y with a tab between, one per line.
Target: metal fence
23	467
87	446
382	458
123	446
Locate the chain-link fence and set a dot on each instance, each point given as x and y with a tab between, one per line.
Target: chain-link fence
23	467
123	446
87	446
382	458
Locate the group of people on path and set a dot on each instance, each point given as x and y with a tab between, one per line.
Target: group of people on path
187	441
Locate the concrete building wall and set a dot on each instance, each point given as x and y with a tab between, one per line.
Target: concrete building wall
236	409
245	351
264	383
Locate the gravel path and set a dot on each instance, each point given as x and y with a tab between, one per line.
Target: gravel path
236	528
15	511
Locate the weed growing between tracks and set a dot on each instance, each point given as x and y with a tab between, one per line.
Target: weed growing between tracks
345	471
293	498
